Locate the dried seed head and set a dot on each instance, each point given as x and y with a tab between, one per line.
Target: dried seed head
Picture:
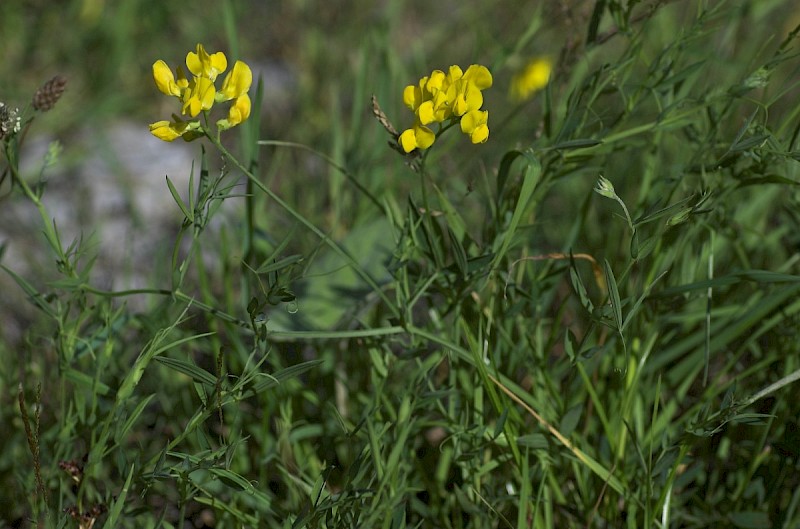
9	121
46	97
377	111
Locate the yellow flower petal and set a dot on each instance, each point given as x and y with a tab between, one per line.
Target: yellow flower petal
172	130
165	80
435	81
469	98
237	82
418	137
241	108
182	81
480	134
194	60
455	73
412	97
239	111
219	63
199	97
164	131
441	106
425	113
201	64
474	124
408	140
479	76
425	136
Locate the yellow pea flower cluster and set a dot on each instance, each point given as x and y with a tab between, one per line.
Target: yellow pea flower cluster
450	97
198	93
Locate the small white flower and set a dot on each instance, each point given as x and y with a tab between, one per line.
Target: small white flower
605	188
9	120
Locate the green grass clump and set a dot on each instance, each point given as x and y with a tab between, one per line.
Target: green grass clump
589	321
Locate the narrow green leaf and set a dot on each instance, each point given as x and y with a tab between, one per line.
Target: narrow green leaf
119	502
751	317
680	75
632	312
533	440
459	254
757	276
177	197
530	178
594	22
36	298
82	379
575	144
122	432
634	245
150	350
454	219
427	234
501	422
578	286
268	267
192	197
275	379
749	143
570	420
663	212
570	343
768	179
232	479
197	373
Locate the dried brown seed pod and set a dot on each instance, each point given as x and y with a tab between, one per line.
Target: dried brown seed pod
46	97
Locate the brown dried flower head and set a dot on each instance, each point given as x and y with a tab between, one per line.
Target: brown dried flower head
46	97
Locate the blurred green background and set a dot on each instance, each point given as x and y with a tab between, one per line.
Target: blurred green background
696	105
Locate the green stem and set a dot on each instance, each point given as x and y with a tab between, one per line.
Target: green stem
358	185
49	226
177	294
627	214
344	254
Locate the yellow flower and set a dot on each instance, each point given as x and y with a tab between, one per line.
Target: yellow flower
165	130
436	82
201	64
434	110
430	99
236	83
172	130
447	97
418	137
200	96
473	124
239	111
165	80
531	79
199	93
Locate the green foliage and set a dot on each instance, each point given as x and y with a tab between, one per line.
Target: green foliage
341	336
